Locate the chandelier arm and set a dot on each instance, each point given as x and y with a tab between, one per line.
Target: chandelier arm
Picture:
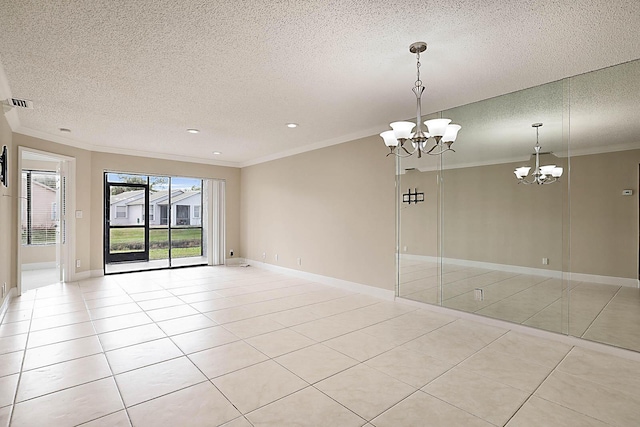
432	148
401	155
524	181
402	132
439	152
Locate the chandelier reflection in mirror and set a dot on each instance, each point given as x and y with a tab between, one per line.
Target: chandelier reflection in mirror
440	130
547	174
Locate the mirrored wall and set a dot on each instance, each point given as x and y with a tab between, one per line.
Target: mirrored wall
560	256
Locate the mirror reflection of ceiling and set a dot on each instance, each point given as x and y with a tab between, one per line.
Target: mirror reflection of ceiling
133	76
601	114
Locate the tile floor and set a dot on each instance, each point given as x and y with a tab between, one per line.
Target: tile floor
597	312
32	279
240	347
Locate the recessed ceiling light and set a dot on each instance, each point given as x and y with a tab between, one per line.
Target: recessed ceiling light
217	153
65	130
193	130
292	125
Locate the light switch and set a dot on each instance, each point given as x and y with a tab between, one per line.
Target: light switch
78	214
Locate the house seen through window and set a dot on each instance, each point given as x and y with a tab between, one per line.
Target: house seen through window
39	207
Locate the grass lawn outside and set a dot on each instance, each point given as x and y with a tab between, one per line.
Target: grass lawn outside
186	242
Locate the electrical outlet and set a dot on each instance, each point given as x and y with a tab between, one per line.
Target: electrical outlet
405	249
231	252
299	261
77	263
545	261
478	294
276	257
264	255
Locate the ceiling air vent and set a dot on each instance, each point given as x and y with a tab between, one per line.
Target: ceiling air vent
20	103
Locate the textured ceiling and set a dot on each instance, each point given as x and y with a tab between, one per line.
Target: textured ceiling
133	76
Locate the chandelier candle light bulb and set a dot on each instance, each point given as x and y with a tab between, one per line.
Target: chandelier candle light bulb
442	132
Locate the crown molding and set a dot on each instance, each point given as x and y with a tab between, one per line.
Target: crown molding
123	151
577	152
315	146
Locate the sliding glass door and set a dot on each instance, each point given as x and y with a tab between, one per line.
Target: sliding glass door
186	222
152	222
126	229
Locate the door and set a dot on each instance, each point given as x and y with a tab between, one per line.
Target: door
126	229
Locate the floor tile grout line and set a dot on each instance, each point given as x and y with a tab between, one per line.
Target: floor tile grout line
600	312
499	282
364	327
111	370
101	417
572	410
572	287
112	373
207	379
457	365
456	406
24	357
489	284
541	310
555	368
528	288
66	388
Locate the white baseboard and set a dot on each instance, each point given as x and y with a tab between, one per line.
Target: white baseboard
385	294
82	275
7	300
234	261
591	278
529	330
96	273
38	266
607	280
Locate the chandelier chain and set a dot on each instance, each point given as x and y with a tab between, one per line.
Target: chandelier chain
418	81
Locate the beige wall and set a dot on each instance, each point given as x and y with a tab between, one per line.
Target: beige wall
333	208
419	221
604	223
8	206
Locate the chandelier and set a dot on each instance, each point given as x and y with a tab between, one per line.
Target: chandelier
541	175
440	130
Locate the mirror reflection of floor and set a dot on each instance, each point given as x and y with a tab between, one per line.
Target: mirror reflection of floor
598	312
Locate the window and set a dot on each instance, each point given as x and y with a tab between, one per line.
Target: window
152	210
182	215
196	211
121	211
39	207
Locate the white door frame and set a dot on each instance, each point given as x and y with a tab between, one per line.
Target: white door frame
66	253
